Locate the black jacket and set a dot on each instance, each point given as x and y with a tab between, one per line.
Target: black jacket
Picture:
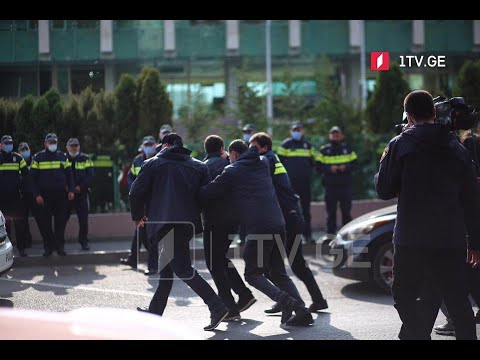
432	175
83	173
135	169
336	154
13	169
51	173
167	186
218	211
287	199
298	157
248	185
472	144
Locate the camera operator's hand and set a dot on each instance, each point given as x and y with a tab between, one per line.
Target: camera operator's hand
473	258
334	169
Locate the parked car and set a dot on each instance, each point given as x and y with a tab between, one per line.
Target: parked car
363	248
6	248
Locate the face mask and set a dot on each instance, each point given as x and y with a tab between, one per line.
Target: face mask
296	135
73	153
52	147
246	137
25	154
148	150
8	148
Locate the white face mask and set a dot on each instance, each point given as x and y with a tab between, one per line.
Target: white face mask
52	147
73	153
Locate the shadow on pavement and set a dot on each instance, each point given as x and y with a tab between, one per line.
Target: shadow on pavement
366	292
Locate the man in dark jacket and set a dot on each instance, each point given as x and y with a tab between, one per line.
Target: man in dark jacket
167	186
219	224
298	157
82	168
27	197
249	186
432	175
13	169
51	178
292	213
336	162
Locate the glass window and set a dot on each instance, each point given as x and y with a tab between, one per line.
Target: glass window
32	24
21	25
205	22
6	25
87	24
58	24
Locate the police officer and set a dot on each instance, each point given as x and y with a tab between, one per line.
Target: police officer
294	223
52	177
27	196
298	157
248	130
13	169
148	149
83	174
336	162
102	185
165	129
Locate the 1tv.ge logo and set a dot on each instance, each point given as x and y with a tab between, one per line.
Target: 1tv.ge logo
380	61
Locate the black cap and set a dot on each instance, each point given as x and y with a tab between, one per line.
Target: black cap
166	128
249	127
149	140
296	125
335	129
73	141
51	136
23	145
7	139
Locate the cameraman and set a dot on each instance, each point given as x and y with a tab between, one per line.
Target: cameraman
431	173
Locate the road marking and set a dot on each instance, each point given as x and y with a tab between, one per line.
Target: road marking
88	288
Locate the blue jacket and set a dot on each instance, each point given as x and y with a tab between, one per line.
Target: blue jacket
13	171
432	175
83	172
248	185
298	157
167	186
51	173
336	154
135	169
218	211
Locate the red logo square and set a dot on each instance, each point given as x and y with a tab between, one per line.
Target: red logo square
379	61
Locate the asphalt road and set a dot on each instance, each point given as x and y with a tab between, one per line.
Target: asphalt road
356	310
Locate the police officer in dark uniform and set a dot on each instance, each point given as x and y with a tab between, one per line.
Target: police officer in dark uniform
148	149
248	131
294	223
83	174
27	196
298	157
52	177
102	186
336	162
13	169
165	129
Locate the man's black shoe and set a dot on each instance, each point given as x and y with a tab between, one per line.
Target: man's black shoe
317	306
216	319
276	308
85	247
22	253
61	252
244	302
143	309
47	253
232	316
446	329
477	317
301	318
150	272
128	261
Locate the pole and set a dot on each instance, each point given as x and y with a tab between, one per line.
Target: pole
363	70
268	61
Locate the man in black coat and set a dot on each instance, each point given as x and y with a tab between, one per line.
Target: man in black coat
219	225
432	175
248	185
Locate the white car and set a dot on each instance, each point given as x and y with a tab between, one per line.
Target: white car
6	248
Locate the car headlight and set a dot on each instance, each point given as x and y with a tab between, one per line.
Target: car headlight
365	228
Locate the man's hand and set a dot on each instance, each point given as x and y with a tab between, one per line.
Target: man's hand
334	169
39	200
140	223
71	196
473	258
77	189
342	168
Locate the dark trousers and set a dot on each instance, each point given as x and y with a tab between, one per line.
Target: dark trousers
226	277
264	256
335	194
27	209
80	205
179	251
13	208
445	269
55	205
140	236
303	188
294	226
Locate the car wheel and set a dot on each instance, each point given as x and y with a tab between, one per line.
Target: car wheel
383	267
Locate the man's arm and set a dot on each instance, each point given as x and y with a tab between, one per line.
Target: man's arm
388	178
140	191
88	180
69	176
470	198
34	173
218	187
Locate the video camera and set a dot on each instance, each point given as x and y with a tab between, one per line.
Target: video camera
451	112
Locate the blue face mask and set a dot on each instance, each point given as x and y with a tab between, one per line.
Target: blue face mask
296	135
8	148
246	137
25	154
148	150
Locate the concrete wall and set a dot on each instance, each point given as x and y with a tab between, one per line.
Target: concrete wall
120	225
